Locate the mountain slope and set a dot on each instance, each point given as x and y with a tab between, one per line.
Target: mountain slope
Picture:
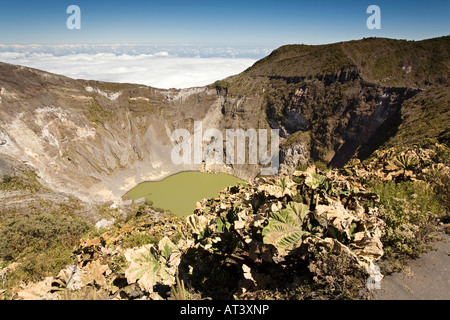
97	140
307	235
92	139
352	97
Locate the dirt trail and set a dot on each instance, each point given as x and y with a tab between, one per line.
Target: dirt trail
425	278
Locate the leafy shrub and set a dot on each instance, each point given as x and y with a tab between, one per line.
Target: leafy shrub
287	226
38	232
336	276
25	180
37	262
408	209
139	239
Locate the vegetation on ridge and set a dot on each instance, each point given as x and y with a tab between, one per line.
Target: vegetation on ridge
309	235
377	110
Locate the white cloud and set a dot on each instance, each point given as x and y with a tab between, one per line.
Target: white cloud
176	67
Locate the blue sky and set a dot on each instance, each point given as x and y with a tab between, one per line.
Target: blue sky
209	21
186	43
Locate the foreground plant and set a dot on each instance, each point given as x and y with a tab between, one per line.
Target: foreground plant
149	265
287	237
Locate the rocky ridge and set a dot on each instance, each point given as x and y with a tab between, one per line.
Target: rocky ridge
376	110
97	140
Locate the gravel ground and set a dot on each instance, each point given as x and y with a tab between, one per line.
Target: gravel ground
424	278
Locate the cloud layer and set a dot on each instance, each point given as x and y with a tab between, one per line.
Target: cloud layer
159	66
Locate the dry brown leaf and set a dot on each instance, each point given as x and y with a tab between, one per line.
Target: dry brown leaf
94	273
39	291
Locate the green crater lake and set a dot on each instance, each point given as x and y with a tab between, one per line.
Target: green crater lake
180	192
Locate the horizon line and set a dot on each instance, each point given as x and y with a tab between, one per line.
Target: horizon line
205	43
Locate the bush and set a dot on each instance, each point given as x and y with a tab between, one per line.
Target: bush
337	276
138	239
409	210
25	180
38	232
37	263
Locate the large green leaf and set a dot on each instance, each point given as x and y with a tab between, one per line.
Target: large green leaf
166	247
314	180
143	267
285	228
147	266
279	188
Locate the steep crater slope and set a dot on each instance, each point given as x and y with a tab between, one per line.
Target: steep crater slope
97	140
333	102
